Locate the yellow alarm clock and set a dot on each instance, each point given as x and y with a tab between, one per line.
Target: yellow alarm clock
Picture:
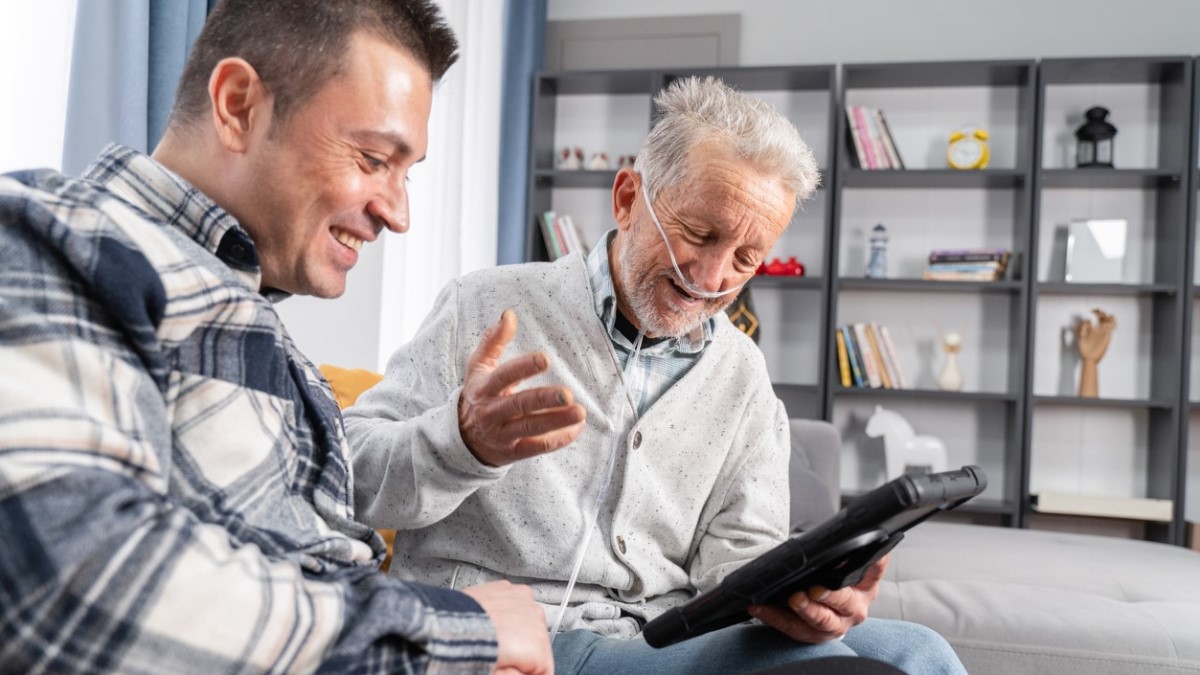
968	149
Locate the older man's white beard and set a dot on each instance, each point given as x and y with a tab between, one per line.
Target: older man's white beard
640	299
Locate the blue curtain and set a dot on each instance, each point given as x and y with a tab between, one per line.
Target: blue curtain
524	52
126	62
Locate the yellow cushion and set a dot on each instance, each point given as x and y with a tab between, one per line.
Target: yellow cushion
347	385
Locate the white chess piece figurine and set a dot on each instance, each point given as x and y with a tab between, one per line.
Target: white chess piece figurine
951	379
570	159
598	161
904	451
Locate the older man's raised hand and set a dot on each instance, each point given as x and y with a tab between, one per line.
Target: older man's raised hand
501	425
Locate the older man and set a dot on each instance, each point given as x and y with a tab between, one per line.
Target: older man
174	479
652	420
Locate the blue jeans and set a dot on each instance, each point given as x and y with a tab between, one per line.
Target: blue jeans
746	648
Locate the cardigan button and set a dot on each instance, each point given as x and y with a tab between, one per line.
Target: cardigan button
637	440
621	544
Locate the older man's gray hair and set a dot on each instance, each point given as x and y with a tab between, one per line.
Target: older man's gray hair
696	110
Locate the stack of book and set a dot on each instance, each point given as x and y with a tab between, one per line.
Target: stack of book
867	357
967	264
871	139
561	235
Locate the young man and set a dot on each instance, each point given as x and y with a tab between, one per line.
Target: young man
634	372
174	481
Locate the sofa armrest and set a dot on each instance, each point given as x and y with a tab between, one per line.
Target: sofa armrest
814	472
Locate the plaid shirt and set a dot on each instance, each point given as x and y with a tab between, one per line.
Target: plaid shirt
174	485
658	366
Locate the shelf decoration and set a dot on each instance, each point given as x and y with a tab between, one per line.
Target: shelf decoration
867	357
1094	147
1095	251
877	260
904	451
570	159
780	268
1093	341
951	379
741	313
598	161
968	149
967	264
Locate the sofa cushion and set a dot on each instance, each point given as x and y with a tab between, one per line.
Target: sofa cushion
1026	601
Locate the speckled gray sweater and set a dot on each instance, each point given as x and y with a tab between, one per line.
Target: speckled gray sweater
700	486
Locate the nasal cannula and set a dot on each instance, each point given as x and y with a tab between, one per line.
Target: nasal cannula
602	493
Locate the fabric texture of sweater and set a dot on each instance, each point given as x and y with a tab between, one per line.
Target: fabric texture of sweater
699	486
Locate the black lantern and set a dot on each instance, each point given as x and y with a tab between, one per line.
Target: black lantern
1095	147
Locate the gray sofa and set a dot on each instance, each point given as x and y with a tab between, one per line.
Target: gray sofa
1024	601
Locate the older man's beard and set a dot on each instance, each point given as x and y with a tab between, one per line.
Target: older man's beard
639	285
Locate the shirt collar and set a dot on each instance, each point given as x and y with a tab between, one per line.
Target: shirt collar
168	198
604	296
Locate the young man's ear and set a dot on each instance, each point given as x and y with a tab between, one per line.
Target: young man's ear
626	191
241	106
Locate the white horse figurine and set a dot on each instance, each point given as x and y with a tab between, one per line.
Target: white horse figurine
904	450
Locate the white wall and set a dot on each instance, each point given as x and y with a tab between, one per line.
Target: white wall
791	32
35	65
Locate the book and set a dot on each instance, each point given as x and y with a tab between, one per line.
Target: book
933	275
868	356
860	153
1134	508
889	348
893	151
884	376
860	119
852	354
969	255
843	359
550	235
880	147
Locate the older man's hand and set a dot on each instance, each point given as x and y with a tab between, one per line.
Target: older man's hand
819	614
501	425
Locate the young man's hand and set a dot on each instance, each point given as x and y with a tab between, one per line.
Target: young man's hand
500	425
820	615
520	628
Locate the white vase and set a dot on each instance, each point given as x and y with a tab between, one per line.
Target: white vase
950	379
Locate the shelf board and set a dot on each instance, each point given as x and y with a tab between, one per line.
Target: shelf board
933	178
1102	402
575	178
929	286
926	394
1110	178
1067	288
797	388
800	283
1128	508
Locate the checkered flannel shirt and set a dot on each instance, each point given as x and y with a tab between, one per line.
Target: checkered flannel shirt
174	484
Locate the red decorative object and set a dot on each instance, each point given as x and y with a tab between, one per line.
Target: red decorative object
779	268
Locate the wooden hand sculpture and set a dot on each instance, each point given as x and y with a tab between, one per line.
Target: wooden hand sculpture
1093	340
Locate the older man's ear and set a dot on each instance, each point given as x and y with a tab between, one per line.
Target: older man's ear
625	193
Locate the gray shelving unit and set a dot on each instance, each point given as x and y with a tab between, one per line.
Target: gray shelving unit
1154	96
890	86
1024	195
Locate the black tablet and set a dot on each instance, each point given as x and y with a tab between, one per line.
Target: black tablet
834	554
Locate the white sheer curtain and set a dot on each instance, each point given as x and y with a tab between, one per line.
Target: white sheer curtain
35	65
454	192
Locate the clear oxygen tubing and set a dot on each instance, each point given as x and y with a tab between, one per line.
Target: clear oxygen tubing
687	285
602	493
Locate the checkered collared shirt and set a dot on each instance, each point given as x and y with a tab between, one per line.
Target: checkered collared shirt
174	481
658	366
